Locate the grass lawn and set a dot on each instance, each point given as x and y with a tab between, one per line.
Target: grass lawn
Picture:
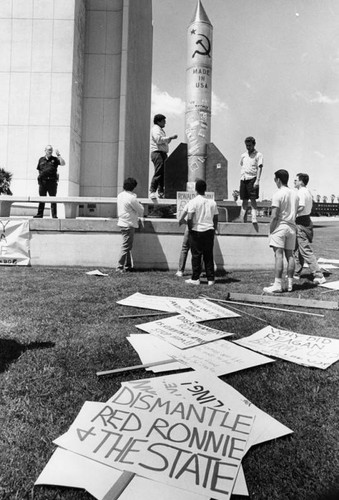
59	326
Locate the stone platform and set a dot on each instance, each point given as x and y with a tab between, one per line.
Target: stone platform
96	243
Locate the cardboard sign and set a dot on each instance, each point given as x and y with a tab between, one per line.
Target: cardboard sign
183	197
147	302
307	350
201	452
181	332
201	309
14	243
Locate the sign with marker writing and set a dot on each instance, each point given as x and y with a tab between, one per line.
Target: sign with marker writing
182	332
200	453
307	350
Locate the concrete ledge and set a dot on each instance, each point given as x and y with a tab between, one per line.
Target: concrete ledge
157	245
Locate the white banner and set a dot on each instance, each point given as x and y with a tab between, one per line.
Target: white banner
14	243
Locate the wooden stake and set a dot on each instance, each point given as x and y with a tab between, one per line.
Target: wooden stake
160	313
286	301
119	486
265	307
136	367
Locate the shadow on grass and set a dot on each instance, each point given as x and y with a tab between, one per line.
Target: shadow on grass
10	350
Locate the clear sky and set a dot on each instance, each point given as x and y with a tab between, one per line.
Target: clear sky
275	76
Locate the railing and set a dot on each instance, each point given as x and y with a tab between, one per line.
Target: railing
228	210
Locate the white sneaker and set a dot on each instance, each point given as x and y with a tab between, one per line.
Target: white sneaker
179	274
210	283
319	281
152	195
272	289
192	282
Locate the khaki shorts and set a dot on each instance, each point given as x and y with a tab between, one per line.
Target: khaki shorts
284	236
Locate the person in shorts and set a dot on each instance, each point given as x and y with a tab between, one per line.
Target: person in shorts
282	238
251	164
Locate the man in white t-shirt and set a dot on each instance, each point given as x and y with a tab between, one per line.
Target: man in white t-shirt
283	230
159	149
304	252
202	222
129	211
251	164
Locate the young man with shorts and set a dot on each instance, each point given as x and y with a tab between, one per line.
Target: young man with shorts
251	164
282	237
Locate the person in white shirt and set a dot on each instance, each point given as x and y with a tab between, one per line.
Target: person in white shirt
304	252
129	211
159	150
282	237
202	221
251	164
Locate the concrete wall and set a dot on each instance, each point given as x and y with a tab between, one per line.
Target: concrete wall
96	243
37	38
76	74
117	97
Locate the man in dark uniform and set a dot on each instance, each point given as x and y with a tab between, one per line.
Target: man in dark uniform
48	178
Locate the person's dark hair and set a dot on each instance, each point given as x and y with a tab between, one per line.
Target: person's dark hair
283	175
129	184
304	178
250	139
158	118
200	186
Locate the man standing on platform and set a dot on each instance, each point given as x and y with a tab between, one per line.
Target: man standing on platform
283	230
48	178
251	164
159	150
202	221
129	211
304	252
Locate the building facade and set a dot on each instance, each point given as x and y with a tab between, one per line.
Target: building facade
76	74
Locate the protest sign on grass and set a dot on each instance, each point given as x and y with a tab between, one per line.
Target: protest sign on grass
182	332
307	350
200	453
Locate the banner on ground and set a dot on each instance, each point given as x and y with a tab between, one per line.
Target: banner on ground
14	243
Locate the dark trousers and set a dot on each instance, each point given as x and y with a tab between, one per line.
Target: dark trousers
47	186
158	159
202	246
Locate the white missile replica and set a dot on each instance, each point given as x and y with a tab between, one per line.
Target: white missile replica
198	92
199	158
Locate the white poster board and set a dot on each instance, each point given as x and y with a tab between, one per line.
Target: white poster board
181	453
183	197
307	350
14	242
182	332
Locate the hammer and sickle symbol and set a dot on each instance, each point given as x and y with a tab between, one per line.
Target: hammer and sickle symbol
3	234
207	48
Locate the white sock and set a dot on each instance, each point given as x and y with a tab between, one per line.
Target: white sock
277	282
290	281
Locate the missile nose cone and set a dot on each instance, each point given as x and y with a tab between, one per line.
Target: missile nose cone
200	14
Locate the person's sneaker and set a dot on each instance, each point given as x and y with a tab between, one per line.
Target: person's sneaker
153	195
210	283
37	216
119	270
272	289
161	195
319	281
290	288
192	282
179	274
